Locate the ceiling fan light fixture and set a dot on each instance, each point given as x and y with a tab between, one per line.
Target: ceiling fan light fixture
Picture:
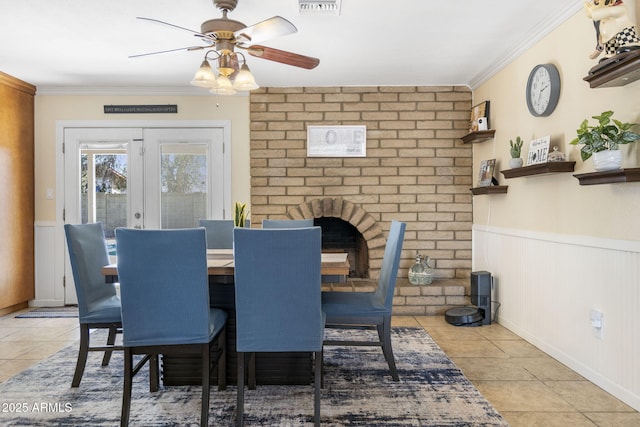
226	65
204	77
319	7
224	87
244	80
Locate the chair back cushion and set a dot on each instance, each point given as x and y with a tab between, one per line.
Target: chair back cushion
220	232
383	296
277	287
88	253
164	286
287	223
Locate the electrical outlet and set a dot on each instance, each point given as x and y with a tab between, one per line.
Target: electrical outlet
597	323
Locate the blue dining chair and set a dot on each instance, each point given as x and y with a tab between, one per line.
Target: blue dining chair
164	288
98	302
299	223
346	310
220	232
287	223
278	305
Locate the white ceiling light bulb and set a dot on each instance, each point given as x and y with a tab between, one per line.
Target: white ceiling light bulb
244	80
224	86
204	77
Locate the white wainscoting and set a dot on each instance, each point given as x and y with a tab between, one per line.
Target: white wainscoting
547	285
49	280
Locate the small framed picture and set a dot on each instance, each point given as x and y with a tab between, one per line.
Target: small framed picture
336	141
538	150
477	112
485	176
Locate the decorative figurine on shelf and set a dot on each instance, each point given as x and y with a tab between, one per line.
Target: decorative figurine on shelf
420	272
557	156
516	148
615	32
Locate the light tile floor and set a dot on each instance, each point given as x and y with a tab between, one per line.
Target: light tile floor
525	385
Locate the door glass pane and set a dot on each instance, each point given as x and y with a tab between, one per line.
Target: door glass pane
183	176
103	188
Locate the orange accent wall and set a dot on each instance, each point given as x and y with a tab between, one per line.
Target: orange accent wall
17	282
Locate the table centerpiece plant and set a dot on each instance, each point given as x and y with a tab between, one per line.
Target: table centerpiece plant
240	214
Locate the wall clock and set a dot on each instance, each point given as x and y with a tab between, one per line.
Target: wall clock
543	90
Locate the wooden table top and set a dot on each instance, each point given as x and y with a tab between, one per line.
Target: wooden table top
220	263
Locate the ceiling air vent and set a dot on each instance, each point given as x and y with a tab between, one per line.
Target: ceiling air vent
319	7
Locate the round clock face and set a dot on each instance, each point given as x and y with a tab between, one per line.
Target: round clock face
543	90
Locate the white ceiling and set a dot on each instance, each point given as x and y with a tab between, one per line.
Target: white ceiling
74	45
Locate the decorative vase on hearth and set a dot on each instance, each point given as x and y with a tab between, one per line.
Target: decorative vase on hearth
421	273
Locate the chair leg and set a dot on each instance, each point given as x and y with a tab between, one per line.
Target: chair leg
240	397
111	340
222	360
206	371
126	392
82	355
387	349
317	380
251	382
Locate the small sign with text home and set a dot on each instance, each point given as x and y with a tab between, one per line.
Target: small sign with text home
538	150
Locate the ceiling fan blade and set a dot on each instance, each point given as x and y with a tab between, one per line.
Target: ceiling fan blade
283	57
268	29
170	50
171	25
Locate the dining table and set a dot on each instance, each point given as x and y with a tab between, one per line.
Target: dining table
220	263
270	368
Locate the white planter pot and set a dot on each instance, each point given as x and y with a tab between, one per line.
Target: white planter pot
607	160
515	163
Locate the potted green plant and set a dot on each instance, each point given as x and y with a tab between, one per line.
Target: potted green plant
516	149
602	141
240	216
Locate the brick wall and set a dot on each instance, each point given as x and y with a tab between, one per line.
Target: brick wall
416	170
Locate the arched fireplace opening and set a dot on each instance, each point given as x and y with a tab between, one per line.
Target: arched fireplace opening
348	228
341	236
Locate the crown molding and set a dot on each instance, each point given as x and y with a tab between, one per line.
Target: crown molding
535	34
128	91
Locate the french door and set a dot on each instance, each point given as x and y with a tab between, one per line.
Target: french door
143	178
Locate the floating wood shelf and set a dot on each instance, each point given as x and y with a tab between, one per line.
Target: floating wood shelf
490	189
619	70
609	177
478	136
541	168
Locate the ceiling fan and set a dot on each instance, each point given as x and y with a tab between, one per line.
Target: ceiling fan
224	37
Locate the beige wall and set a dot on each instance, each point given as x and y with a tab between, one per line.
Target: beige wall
558	251
51	108
557	203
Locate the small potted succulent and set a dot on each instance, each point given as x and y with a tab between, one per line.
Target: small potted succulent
516	148
602	141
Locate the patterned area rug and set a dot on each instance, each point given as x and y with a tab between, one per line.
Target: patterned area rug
49	312
358	392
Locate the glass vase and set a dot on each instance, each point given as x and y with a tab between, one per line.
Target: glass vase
420	273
